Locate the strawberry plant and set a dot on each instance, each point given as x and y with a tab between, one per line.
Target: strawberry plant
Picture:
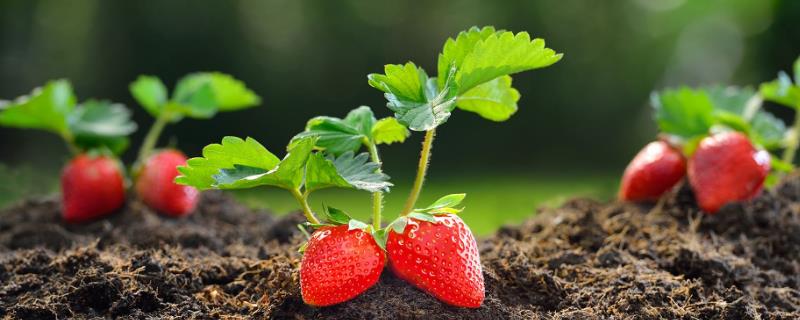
198	95
730	142
92	183
430	247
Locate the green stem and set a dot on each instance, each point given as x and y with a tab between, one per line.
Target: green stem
794	140
377	197
70	141
151	138
422	170
302	199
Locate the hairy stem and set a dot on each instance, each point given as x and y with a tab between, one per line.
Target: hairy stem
422	169
151	138
377	197
302	199
794	140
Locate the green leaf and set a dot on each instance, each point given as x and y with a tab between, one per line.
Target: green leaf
732	121
198	95
781	91
354	224
729	99
288	174
421	109
455	50
445	205
336	216
101	124
389	130
231	94
730	104
192	98
227	93
150	93
398	225
46	108
768	130
422	216
481	55
338	136
447	201
683	112
199	172
404	82
495	100
346	171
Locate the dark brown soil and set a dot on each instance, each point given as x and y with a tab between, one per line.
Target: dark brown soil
585	260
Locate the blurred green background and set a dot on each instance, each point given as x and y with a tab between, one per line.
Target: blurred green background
579	122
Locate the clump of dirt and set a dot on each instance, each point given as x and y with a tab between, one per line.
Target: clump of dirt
585	260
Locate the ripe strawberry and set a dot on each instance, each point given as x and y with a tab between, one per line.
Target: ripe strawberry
655	170
156	187
91	187
338	265
440	258
726	168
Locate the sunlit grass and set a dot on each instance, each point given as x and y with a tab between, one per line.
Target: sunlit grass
491	202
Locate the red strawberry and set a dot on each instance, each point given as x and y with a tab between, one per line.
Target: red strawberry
440	258
655	170
91	187
156	187
338	265
726	168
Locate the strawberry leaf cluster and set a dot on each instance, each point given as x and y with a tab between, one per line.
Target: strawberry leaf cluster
720	139
93	182
90	125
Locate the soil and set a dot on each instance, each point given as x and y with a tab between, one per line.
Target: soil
584	260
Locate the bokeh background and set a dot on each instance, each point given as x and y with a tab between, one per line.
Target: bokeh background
579	122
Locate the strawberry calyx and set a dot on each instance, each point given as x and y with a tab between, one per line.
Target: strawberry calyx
332	217
444	206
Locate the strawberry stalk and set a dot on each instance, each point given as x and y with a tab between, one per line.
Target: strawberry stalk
302	199
69	140
377	197
794	138
422	170
152	136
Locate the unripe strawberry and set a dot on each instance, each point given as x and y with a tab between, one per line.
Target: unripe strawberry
338	265
655	170
156	187
726	168
91	187
441	258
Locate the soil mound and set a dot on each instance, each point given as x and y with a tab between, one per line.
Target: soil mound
585	260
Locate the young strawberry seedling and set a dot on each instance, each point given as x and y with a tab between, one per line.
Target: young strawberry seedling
431	247
92	183
724	134
199	96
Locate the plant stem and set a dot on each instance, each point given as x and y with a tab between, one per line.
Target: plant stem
151	138
752	106
302	199
70	141
422	169
377	196
794	140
